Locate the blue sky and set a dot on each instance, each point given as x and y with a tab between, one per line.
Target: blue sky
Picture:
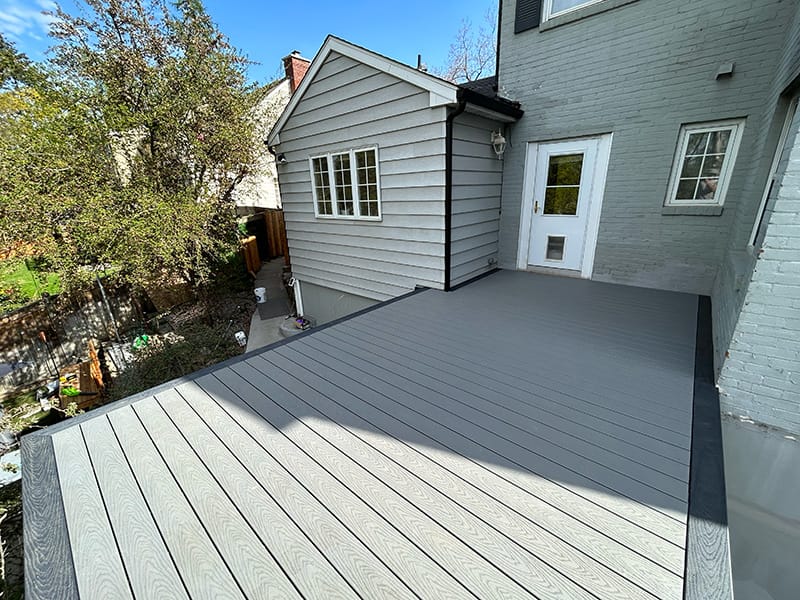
267	31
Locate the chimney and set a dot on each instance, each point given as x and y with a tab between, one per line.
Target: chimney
295	67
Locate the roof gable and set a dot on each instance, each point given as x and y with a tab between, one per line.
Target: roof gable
441	92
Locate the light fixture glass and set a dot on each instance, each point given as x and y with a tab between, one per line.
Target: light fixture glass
498	143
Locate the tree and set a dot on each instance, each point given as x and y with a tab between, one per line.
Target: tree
472	54
128	155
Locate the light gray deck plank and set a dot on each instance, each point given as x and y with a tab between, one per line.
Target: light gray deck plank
498	407
49	570
436	491
527	468
595	402
612	387
425	577
337	544
460	560
150	567
503	552
551	462
523	436
478	312
202	569
98	565
313	576
487	383
251	563
599	533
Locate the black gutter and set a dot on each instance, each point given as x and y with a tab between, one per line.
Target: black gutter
448	184
497	55
504	107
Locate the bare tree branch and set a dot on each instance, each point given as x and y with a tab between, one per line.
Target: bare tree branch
472	54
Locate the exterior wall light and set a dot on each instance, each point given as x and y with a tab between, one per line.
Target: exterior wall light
281	158
498	144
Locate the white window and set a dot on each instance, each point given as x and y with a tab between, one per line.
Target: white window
703	163
554	8
345	184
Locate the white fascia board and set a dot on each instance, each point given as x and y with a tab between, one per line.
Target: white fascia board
442	92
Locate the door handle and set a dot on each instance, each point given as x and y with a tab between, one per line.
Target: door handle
536	207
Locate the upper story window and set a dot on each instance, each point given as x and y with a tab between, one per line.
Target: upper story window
345	184
554	8
703	163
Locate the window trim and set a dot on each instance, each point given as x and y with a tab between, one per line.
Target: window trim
547	9
736	127
356	216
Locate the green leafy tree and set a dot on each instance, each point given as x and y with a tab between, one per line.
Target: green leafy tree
126	153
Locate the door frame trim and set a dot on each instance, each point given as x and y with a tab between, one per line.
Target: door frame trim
595	204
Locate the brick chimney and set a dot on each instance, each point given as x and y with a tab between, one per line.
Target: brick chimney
295	67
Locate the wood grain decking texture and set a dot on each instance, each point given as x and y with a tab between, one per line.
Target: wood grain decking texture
521	437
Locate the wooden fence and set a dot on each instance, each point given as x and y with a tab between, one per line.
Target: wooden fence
252	260
276	234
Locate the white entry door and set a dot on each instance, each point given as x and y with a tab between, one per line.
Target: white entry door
563	193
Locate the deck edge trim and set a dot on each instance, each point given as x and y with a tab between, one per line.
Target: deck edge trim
49	567
707	565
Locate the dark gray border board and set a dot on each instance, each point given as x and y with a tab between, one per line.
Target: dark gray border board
49	570
226	363
708	565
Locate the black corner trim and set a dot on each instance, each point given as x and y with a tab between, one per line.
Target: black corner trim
707	568
448	186
474	279
527	15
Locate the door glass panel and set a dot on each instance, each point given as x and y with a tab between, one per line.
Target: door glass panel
565	170
555	247
563	184
561	200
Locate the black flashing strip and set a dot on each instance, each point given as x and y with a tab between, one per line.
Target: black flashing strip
474	279
163	387
448	186
707	568
500	106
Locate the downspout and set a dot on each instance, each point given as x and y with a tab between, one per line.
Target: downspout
497	57
448	186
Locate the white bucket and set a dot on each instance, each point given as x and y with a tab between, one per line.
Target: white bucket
261	295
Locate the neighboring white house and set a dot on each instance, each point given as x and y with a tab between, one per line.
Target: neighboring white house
384	186
260	189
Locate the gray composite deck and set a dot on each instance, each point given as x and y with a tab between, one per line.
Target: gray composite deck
521	437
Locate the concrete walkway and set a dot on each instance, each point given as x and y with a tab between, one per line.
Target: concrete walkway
266	331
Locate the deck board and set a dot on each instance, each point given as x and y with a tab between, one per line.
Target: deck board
523	436
202	569
488	384
98	564
249	560
590	568
151	568
495	414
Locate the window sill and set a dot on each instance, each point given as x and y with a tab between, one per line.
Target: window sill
699	211
349	219
582	13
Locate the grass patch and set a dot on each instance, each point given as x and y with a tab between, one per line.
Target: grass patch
24	280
